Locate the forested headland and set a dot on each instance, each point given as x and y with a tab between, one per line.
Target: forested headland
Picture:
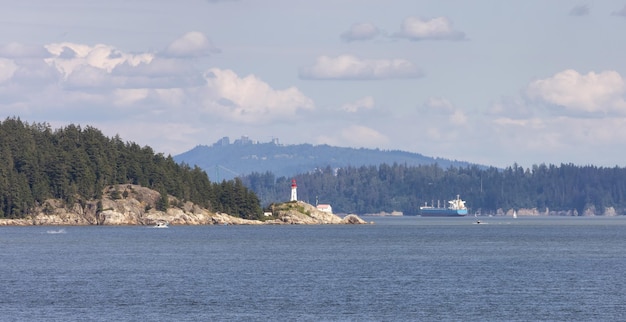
75	164
565	189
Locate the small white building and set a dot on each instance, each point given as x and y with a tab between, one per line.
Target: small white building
325	208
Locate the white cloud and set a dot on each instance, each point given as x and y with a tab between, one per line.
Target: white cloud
18	50
511	107
591	93
101	67
349	67
99	56
439	105
249	99
531	123
560	139
522	130
439	28
360	31
443	107
363	103
156	67
174	97
86	76
167	136
7	69
192	44
458	118
129	97
160	72
83	82
355	135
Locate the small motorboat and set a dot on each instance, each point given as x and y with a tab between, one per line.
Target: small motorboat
161	224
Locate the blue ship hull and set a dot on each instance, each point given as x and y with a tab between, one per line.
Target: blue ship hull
456	209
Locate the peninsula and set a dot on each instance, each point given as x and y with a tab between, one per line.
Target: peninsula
137	205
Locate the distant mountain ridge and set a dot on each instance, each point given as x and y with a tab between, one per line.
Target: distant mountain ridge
225	160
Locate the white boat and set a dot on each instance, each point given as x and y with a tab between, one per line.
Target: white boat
514	214
161	224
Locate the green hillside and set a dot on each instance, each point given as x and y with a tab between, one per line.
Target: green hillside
75	164
225	160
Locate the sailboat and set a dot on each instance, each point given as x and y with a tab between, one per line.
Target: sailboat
514	214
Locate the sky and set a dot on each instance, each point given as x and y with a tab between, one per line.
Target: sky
497	83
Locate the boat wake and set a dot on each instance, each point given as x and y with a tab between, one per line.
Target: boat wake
161	225
60	231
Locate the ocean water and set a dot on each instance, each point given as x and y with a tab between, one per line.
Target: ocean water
399	269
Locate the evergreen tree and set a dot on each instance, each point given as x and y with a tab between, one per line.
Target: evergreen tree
75	164
164	202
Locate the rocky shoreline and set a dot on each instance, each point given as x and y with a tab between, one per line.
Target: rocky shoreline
136	205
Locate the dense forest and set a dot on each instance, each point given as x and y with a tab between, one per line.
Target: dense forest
564	189
74	164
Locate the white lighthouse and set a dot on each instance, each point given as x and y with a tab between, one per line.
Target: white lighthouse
294	190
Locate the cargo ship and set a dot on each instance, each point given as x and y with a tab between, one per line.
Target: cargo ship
456	208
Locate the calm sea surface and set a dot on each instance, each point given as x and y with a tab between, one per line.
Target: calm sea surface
399	269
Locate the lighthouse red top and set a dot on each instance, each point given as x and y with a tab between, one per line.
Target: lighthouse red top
293	183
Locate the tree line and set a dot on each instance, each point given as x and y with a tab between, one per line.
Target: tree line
397	187
74	164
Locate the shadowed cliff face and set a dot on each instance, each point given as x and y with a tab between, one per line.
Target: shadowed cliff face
136	205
